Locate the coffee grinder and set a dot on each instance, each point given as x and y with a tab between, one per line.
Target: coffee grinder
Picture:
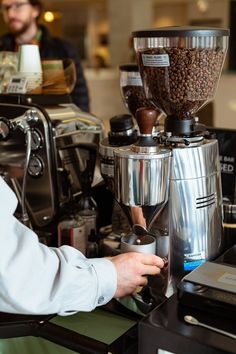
141	182
180	68
135	178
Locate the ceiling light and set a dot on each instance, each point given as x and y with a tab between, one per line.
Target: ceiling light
49	16
202	5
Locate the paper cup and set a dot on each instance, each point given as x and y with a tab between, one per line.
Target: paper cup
29	59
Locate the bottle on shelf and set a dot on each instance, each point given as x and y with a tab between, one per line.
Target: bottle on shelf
72	230
87	210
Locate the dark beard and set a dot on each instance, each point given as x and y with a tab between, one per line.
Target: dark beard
20	31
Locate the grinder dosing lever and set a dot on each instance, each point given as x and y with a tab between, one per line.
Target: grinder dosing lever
146	118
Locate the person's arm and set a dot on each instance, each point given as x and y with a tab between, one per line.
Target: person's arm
36	279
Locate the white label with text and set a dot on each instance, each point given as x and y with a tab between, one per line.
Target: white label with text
157	60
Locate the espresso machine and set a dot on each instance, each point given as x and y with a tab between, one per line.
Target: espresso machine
43	154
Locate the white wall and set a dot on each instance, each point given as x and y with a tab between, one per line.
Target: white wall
170	14
105	96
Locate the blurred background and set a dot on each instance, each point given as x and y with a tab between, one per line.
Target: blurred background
101	31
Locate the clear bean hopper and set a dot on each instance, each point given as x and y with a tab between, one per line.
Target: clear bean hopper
180	68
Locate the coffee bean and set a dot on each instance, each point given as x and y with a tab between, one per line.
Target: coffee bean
187	84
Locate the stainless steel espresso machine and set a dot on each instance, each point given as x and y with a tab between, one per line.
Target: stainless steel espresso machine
44	147
169	185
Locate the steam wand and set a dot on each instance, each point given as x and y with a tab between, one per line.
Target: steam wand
25	216
22	123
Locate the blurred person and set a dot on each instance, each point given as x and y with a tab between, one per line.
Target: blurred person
22	20
102	56
37	279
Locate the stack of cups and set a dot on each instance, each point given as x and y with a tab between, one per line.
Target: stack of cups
30	66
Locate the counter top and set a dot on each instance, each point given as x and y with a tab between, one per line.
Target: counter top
96	332
164	328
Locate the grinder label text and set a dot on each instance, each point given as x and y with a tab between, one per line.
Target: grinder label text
157	60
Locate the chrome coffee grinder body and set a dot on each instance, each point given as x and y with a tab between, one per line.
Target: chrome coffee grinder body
122	133
180	68
141	188
135	181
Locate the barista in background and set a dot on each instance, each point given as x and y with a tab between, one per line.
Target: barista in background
21	17
36	279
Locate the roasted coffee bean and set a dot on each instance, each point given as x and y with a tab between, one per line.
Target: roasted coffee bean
184	86
135	98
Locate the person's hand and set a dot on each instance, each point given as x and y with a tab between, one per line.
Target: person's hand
132	270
